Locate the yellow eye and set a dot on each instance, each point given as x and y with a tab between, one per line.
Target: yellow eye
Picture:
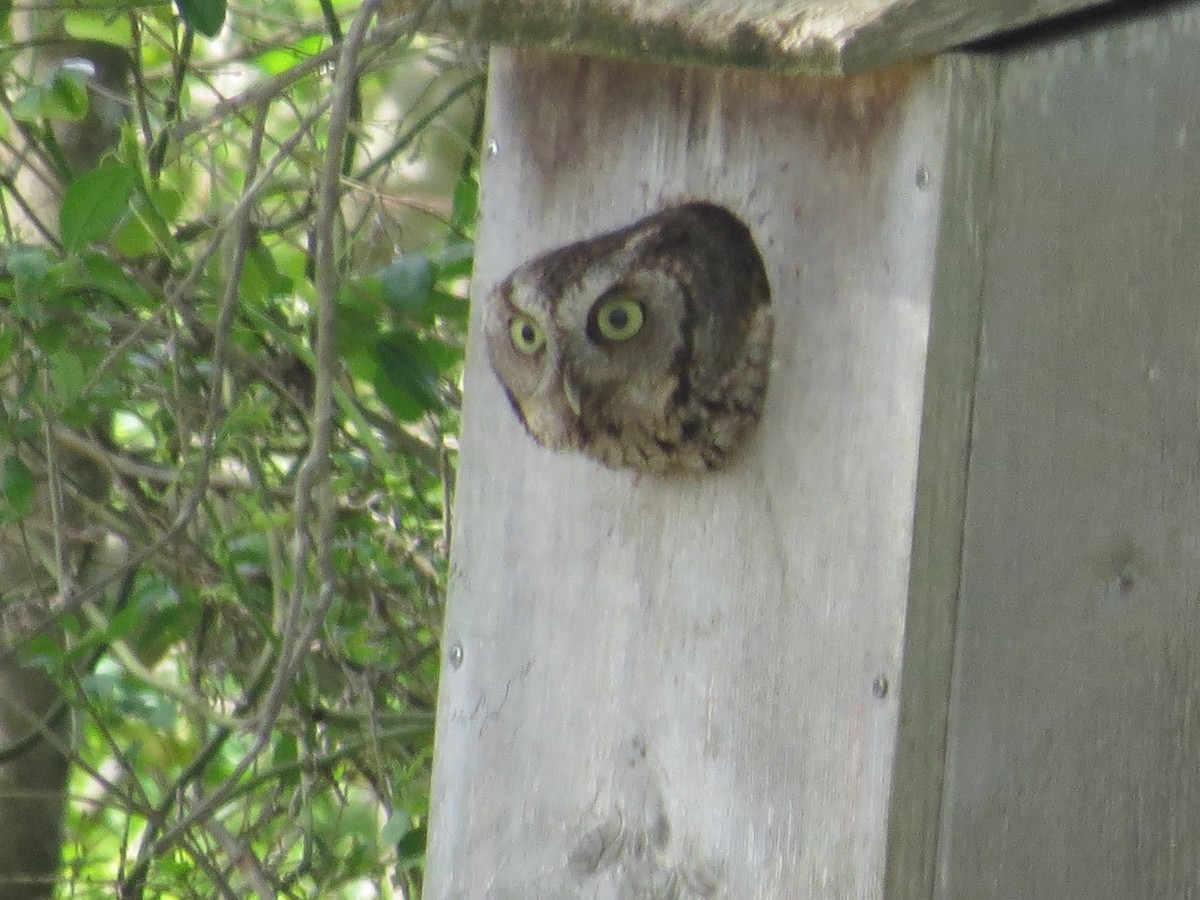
619	318
527	335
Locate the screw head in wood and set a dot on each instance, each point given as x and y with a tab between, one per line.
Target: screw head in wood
879	687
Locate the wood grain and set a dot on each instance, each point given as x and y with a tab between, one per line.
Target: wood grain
1075	733
915	814
716	687
689	687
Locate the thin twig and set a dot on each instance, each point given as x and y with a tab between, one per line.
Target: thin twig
312	485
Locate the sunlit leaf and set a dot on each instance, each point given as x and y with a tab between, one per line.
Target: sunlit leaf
189	414
280	59
466	201
98	25
130	431
102	684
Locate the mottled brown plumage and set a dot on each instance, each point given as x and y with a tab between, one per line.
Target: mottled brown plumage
647	347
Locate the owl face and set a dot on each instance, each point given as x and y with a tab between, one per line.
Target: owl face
647	347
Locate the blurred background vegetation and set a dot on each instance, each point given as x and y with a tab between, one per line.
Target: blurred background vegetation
239	504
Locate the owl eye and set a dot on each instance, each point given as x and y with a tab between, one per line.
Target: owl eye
527	335
619	318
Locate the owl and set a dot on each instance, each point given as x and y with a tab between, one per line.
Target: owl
648	347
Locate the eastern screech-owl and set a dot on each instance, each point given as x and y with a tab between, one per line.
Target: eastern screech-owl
646	347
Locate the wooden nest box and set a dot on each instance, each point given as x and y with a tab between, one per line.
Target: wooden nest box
935	633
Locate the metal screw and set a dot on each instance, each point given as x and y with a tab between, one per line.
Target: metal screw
922	178
491	149
455	655
879	687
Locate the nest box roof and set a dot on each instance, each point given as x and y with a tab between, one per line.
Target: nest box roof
817	36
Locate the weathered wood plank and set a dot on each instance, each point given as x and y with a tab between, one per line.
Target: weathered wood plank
817	36
913	820
1075	733
678	688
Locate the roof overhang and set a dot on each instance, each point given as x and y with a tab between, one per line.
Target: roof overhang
827	37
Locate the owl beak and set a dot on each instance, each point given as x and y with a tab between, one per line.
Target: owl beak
572	395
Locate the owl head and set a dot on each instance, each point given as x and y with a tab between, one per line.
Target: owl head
647	347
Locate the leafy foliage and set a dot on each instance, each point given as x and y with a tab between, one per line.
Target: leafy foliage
230	364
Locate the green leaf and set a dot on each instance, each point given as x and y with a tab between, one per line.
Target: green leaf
16	484
412	845
30	106
30	269
51	337
165	617
407	282
69	376
362	648
204	16
43	651
359	313
279	59
106	275
363	296
261	278
130	431
444	305
156	710
441	356
63	96
466	202
360	360
405	378
98	25
133	239
397	826
103	683
68	90
94	204
285	751
147	229
455	260
8	340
